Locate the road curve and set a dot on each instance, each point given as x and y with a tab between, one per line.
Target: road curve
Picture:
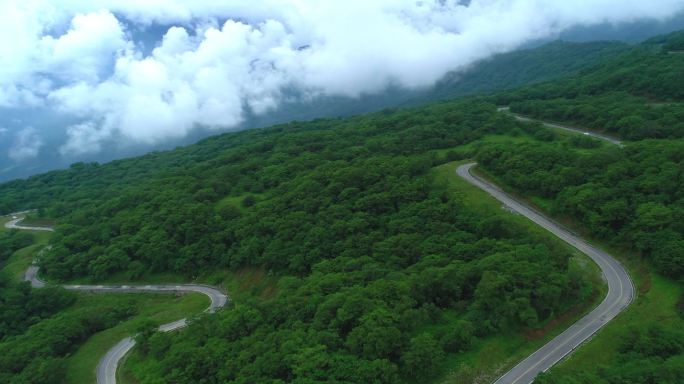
620	290
14	224
107	366
599	136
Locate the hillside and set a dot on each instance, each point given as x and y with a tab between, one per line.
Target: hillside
367	262
637	94
383	273
500	72
524	67
629	198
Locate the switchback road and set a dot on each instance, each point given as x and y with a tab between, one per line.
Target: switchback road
620	289
620	294
107	366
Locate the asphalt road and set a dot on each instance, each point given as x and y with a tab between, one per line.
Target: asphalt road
14	224
607	138
106	368
620	290
620	295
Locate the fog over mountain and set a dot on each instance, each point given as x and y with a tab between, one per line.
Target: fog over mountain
96	80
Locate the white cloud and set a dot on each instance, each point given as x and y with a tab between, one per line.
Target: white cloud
27	144
83	139
81	59
84	51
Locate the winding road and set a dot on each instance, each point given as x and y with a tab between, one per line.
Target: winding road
600	136
14	224
620	289
107	366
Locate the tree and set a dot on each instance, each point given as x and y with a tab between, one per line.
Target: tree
424	354
378	335
458	337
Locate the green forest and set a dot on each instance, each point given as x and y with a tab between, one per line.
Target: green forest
630	198
377	262
632	195
636	94
383	274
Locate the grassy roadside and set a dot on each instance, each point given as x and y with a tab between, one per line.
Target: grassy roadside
655	301
159	309
246	282
31	221
493	355
17	264
567	124
243	284
657	305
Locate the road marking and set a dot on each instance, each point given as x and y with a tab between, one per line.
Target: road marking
605	262
106	374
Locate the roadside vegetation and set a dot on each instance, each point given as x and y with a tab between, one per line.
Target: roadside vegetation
382	273
51	335
638	94
629	199
626	199
359	260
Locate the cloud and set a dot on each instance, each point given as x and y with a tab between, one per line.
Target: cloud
86	49
217	60
27	144
83	139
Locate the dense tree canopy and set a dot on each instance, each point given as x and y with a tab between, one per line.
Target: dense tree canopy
631	196
38	355
375	258
651	354
636	94
382	271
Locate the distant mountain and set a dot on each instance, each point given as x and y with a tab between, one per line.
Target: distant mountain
637	94
528	66
632	32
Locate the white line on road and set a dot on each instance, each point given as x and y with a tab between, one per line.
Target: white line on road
620	290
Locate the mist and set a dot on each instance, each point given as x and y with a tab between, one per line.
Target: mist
80	78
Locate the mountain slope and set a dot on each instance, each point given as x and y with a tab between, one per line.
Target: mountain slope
383	272
637	94
631	198
501	72
524	67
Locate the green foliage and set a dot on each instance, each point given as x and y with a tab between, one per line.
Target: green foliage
21	307
634	94
628	196
370	253
651	354
145	331
422	356
615	112
248	201
459	337
37	356
369	250
11	241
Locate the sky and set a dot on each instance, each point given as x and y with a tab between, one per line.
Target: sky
80	77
